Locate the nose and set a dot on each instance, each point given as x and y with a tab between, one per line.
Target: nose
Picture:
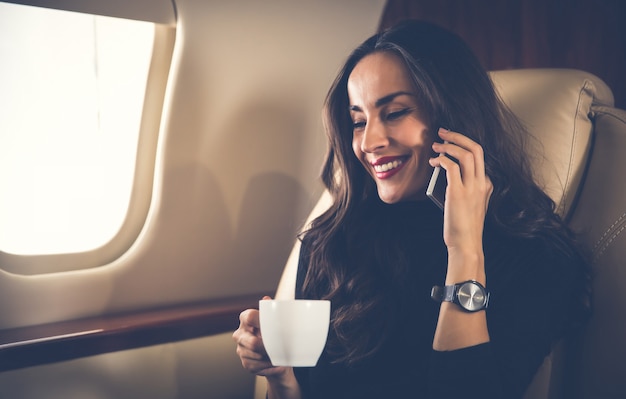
374	137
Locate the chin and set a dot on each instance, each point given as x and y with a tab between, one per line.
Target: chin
395	197
391	198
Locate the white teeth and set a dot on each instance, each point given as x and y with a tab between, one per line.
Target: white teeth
387	166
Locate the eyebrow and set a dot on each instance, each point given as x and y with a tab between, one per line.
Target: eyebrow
384	100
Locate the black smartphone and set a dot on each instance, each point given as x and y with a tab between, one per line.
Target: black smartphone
436	190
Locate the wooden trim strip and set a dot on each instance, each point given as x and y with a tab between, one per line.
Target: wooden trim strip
49	343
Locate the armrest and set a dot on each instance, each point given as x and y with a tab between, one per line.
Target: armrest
48	343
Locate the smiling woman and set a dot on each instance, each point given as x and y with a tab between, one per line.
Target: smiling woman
391	138
382	246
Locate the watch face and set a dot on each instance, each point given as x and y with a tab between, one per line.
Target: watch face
472	297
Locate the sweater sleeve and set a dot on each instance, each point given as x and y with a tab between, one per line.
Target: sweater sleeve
464	373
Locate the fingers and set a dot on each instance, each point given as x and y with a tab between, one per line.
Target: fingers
467	177
471	161
252	355
250	348
249	321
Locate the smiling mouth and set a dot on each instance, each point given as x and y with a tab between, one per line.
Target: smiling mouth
385	170
388	166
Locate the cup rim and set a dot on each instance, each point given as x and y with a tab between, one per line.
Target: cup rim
294	300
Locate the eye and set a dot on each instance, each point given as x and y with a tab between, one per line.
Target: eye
395	115
358	125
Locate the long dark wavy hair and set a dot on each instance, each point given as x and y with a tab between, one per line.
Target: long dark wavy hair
453	91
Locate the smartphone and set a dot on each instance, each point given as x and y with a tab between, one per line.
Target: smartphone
436	190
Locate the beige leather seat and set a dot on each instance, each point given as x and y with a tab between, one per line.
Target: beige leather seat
579	156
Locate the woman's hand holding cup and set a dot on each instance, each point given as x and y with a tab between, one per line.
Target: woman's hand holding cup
250	346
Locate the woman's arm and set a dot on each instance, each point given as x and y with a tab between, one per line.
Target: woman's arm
499	361
283	386
467	198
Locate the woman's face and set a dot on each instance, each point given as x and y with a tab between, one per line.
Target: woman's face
390	137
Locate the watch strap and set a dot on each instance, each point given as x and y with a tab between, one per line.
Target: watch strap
444	293
449	292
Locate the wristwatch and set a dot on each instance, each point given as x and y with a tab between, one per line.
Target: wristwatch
470	295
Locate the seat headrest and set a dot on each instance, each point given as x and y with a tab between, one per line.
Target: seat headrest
556	106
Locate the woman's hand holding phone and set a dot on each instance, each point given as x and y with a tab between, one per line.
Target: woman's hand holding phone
467	197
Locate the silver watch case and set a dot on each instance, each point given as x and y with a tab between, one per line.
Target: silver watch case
470	295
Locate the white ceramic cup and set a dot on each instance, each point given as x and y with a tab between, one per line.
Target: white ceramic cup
294	331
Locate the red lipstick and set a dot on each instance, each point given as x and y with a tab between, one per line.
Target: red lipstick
386	167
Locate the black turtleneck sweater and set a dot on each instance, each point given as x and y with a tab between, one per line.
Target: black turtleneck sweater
534	292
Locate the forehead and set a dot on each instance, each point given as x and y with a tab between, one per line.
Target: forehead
377	75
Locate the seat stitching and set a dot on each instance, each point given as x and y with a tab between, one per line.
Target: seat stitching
568	175
606	243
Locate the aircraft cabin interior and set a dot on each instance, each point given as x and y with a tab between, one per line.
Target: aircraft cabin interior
158	159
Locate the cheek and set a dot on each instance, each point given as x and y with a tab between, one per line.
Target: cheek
428	139
359	155
356	147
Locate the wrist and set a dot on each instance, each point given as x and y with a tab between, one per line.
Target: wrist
465	265
282	378
283	385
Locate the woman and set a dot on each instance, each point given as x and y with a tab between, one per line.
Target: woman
407	100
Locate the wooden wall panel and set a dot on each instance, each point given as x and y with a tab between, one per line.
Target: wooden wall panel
506	34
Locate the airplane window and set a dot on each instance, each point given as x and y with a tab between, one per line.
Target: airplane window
72	90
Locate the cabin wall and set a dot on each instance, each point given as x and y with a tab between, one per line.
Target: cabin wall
239	153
